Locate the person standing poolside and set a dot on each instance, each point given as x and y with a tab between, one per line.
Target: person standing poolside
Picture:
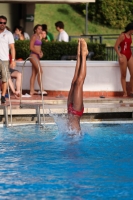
63	36
44	36
125	56
36	54
50	35
6	43
19	33
75	96
15	74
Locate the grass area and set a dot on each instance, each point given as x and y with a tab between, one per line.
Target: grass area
74	22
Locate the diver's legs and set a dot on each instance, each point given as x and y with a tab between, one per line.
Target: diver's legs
70	95
78	86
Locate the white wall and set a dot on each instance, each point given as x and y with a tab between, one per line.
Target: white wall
57	75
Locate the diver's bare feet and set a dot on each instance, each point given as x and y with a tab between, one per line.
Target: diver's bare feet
33	92
84	50
125	95
77	63
43	92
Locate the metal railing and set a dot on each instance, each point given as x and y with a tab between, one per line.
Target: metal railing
74	57
109	50
96	38
111	54
38	106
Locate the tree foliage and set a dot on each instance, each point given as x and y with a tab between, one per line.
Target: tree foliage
114	13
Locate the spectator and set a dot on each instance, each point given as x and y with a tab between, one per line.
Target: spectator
15	74
125	56
50	35
19	34
16	93
63	36
36	54
44	36
6	43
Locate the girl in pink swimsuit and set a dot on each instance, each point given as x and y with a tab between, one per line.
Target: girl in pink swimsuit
35	55
37	42
75	97
125	56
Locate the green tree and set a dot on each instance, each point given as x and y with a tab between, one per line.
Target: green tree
114	13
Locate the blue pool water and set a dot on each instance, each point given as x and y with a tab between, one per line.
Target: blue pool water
38	164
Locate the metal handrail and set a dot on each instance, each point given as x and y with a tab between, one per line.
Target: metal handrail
40	81
74	57
95	37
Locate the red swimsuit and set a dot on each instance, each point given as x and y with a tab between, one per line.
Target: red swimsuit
126	47
75	112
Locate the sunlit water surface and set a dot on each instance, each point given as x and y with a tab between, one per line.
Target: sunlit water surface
45	164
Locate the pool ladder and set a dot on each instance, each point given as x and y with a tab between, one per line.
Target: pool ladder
36	106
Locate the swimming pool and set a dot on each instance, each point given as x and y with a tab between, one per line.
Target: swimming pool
38	164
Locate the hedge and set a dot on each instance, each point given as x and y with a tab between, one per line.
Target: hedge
55	50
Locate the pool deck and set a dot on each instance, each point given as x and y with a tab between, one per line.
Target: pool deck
96	108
